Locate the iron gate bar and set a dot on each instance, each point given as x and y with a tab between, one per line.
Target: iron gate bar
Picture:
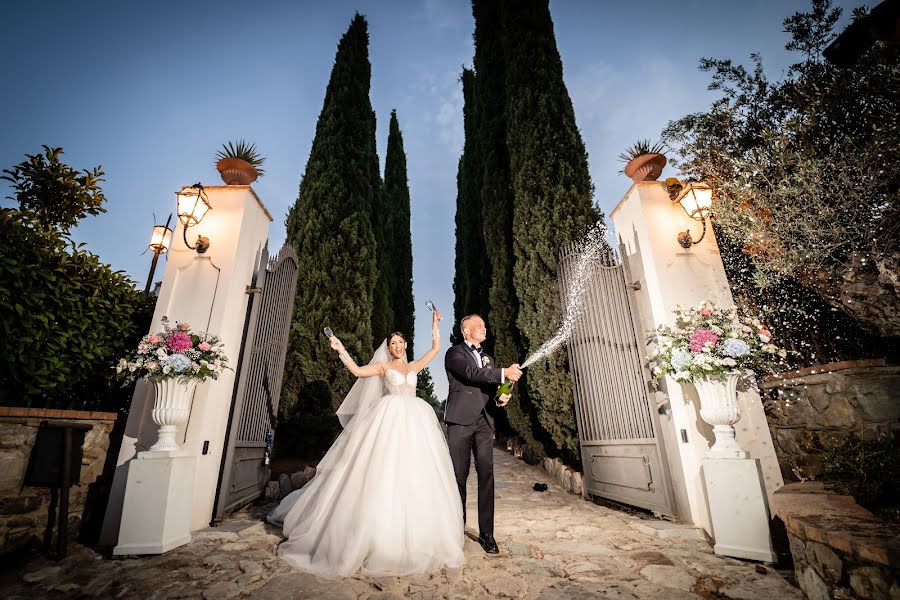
253	416
622	450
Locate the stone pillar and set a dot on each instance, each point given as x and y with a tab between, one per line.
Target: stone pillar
208	291
647	223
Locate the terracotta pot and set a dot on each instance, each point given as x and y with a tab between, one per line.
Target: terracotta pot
235	171
646	167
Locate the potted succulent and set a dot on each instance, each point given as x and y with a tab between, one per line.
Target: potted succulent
643	161
239	164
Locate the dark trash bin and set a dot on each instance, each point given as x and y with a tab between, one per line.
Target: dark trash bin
56	464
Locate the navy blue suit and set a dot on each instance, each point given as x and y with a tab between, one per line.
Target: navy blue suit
470	426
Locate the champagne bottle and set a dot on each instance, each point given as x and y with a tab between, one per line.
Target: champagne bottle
505	388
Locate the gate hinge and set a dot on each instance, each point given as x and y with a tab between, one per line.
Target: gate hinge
635	286
253	290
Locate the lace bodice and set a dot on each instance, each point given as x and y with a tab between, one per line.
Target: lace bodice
396	383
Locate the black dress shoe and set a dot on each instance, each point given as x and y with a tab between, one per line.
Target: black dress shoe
488	544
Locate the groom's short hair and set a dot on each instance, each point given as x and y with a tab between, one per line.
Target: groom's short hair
465	319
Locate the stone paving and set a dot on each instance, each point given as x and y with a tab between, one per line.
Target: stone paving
553	545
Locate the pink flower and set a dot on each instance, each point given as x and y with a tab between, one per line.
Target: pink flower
700	338
706	312
179	342
204	346
765	332
183	327
153	339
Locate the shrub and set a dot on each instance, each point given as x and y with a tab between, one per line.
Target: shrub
65	316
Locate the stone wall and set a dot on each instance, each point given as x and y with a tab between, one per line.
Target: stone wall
820	407
23	509
840	549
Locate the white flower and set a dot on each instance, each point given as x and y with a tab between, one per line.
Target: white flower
763	338
717	330
770	348
166	370
161	354
729	362
782	353
681	376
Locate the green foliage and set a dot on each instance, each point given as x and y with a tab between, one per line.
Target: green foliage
399	263
245	151
471	280
552	207
524	164
330	226
639	148
805	170
868	470
496	201
52	192
65	317
425	387
382	318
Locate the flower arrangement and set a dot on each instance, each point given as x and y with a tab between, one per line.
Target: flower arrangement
708	342
174	352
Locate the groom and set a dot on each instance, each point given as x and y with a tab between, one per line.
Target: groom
473	379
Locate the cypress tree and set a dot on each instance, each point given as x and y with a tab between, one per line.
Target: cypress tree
552	205
399	268
497	202
471	282
382	314
330	227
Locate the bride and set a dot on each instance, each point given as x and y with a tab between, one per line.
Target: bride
384	499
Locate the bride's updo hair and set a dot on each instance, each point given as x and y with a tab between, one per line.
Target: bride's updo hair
399	334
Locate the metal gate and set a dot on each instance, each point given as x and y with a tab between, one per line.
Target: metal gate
244	472
621	447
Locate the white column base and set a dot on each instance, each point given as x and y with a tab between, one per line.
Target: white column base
156	514
738	510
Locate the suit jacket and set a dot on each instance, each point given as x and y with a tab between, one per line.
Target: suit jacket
471	386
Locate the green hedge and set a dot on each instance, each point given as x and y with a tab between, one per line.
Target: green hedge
65	318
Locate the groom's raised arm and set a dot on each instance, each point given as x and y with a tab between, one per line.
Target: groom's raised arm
462	368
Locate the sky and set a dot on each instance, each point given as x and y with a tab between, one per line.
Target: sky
151	91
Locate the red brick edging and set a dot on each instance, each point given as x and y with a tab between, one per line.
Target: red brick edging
52	413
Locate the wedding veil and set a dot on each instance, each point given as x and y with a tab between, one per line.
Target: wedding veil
365	391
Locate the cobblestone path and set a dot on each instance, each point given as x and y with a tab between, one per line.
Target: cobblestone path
553	545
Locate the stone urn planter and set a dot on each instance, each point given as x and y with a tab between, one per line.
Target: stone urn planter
719	407
235	171
171	409
645	167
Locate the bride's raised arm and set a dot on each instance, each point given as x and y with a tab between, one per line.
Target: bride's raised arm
422	362
369	370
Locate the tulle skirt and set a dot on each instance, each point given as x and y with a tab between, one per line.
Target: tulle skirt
384	499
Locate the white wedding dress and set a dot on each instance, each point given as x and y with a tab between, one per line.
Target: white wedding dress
384	499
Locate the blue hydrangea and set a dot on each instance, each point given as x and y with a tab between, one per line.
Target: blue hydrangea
681	360
735	348
178	362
